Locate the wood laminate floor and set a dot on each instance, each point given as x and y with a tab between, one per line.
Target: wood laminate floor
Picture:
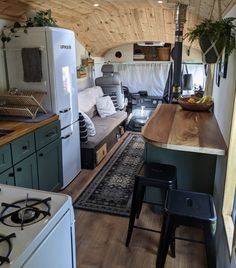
100	238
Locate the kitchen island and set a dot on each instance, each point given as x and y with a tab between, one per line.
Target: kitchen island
189	140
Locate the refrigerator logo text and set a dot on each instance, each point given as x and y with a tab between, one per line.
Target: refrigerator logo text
65	47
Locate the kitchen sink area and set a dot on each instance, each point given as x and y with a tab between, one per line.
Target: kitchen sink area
4	132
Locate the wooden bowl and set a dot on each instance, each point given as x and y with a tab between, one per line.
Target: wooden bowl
183	102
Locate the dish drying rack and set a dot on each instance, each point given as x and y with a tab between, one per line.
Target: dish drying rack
22	103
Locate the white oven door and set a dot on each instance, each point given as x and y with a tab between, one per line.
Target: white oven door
56	251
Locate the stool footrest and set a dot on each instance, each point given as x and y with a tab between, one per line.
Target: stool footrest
189	240
146	229
152	203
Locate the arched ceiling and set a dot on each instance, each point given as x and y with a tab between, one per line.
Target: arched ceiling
116	22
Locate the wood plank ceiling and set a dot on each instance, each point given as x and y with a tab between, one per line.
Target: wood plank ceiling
113	22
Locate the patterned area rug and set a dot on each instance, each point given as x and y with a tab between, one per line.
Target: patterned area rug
111	190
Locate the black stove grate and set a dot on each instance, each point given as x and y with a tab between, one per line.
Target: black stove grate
7	241
25	212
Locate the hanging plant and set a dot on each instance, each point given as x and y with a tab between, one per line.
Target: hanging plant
214	37
41	19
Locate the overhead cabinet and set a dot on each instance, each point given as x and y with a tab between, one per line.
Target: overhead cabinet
34	160
151	52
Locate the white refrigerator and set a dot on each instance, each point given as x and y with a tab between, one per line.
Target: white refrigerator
57	62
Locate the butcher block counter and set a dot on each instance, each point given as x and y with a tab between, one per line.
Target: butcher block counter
171	127
27	152
21	128
190	140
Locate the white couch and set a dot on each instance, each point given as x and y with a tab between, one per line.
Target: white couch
107	129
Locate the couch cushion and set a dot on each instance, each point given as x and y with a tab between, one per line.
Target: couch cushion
104	127
87	98
105	106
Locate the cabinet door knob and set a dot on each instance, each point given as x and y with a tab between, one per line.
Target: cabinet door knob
19	169
41	154
50	134
24	147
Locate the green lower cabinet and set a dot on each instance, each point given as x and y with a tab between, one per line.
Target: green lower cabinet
5	157
50	167
26	173
7	177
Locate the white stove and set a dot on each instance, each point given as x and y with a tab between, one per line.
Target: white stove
36	229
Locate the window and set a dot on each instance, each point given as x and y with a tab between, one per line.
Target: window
229	205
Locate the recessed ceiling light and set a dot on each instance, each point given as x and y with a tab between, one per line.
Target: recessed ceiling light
96	5
160	2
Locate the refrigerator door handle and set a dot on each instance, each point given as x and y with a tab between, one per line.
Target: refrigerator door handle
67	136
65	110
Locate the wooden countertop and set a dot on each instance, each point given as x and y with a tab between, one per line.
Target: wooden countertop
171	127
21	128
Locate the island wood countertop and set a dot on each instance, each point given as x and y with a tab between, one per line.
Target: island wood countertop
21	128
171	127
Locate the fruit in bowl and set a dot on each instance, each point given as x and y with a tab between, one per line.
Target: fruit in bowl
195	103
205	99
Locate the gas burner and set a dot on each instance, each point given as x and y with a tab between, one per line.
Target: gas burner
5	248
25	212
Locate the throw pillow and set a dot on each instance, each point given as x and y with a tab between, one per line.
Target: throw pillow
89	124
114	100
83	129
105	106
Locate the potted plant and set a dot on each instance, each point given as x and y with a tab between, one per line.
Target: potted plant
214	37
81	72
41	19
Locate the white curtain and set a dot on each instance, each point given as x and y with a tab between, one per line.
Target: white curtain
150	77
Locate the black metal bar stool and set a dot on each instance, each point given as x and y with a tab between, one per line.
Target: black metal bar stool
155	175
189	209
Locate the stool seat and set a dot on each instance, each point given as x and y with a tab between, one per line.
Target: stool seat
191	204
150	174
158	174
190	209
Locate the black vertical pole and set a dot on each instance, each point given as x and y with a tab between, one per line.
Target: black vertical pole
177	63
180	20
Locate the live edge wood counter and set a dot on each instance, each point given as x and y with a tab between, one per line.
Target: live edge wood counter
21	128
189	140
171	127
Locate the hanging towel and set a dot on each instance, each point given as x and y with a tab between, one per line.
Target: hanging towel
32	64
167	94
187	83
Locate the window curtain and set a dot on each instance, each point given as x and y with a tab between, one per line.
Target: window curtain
150	77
